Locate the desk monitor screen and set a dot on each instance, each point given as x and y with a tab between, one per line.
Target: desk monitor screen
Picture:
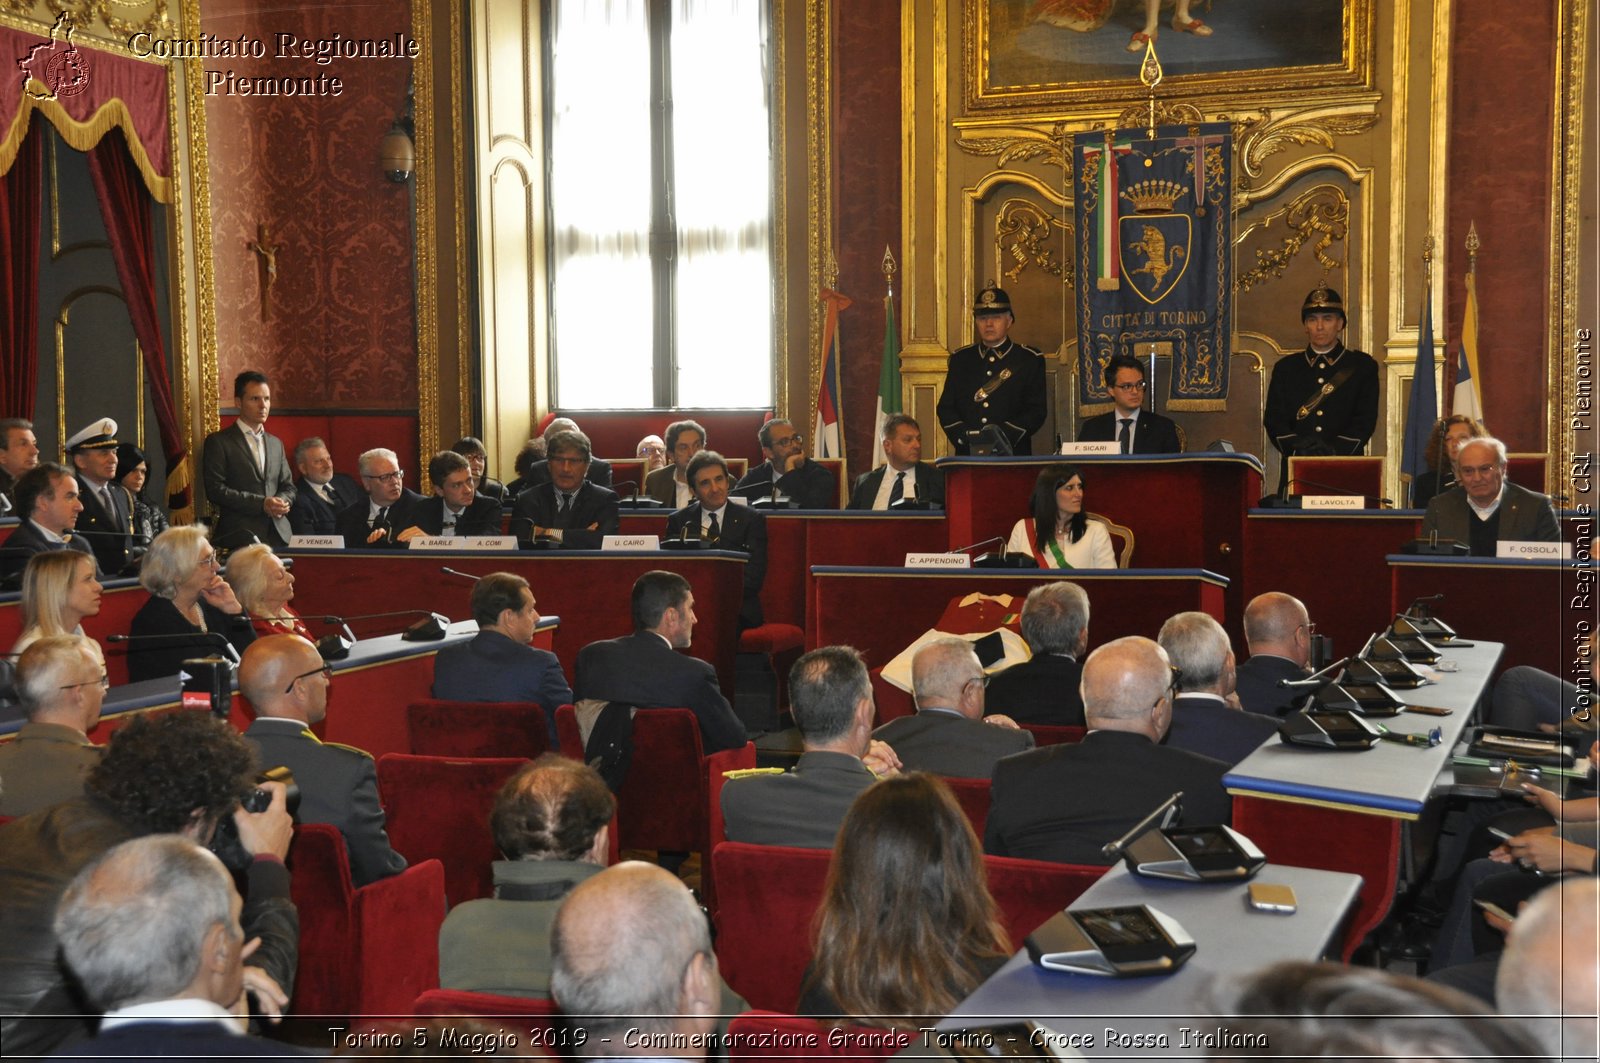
1124	935
1202	842
1339	723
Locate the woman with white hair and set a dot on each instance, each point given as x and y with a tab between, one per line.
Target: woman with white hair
264	585
188	597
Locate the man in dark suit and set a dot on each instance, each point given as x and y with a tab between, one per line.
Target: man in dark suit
670	485
322	494
151	930
456	508
47	502
539	472
1278	631
1044	689
567	508
287	683
646	670
247	473
498	664
1487	509
390	515
949	734
1135	429
19	452
722	526
1064	802
107	517
830	694
903	474
787	472
1206	718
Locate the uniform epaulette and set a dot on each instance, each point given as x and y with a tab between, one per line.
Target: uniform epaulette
352	749
746	773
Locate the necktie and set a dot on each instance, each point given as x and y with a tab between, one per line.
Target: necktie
327	492
255	448
566	503
105	499
713	530
449	522
898	491
382	518
1125	436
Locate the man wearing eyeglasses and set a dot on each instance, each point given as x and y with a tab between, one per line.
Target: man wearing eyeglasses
61	682
1133	428
568	509
1279	632
287	683
390	515
247	473
1065	802
786	471
996	382
949	735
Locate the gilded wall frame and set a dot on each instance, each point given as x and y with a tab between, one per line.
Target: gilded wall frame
1020	56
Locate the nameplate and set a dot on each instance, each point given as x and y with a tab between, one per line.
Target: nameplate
1102	447
316	542
1514	548
739	500
1332	502
631	542
938	561
460	543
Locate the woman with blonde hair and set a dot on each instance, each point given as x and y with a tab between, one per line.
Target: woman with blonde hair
188	597
58	591
264	585
907	926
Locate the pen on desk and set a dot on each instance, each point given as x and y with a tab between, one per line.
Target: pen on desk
1432	738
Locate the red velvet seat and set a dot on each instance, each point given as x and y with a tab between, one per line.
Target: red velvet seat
973	797
461	1002
663	803
752	1041
890	701
1045	734
366	951
477	728
438	809
1028	892
771	639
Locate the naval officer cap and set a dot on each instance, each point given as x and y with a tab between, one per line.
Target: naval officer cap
97	436
1322	300
992	300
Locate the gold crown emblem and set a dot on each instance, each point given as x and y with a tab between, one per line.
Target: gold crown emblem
1154	197
1321	297
987	298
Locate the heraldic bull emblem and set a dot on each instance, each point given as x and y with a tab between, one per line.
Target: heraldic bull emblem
1157	236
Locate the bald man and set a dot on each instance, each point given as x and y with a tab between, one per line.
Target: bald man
1064	802
287	683
633	965
1278	631
949	735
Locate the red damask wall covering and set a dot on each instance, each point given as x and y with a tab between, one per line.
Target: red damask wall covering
341	330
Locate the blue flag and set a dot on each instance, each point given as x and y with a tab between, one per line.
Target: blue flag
1423	409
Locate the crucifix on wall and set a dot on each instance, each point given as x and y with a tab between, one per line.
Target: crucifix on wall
266	264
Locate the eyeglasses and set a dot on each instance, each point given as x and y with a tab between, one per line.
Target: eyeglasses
794	440
1173	686
208	561
981	680
568	459
326	670
385	477
1136	386
1310	629
104	682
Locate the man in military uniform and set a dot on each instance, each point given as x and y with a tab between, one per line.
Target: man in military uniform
107	517
1323	400
995	381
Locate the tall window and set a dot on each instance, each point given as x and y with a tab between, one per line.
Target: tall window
660	203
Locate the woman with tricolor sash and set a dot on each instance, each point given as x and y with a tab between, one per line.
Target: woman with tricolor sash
1060	533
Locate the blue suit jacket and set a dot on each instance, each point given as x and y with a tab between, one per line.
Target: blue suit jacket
591	505
138	1042
27	541
491	667
930	486
482	517
1212	729
311	514
742	529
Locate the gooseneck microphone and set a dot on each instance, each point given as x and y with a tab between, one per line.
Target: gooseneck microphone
215	638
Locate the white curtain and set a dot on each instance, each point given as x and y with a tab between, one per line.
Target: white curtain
600	199
723	158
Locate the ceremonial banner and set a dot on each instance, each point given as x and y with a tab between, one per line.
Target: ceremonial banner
1155	258
829	441
888	381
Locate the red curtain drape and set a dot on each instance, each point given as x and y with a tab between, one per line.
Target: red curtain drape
125	205
20	192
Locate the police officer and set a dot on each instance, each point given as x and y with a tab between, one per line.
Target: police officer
1323	400
995	381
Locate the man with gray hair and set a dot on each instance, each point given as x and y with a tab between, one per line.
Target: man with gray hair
1278	631
539	472
670	485
567	508
830	694
1064	802
390	514
151	929
1206	718
786	471
1485	508
1551	967
322	494
633	966
1044	689
949	734
61	682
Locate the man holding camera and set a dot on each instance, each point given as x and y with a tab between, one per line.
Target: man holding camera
177	773
287	682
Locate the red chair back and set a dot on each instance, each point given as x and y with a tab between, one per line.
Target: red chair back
1049	734
802	1038
663	803
438	809
973	797
1028	892
567	733
462	1002
366	951
767	896
477	729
